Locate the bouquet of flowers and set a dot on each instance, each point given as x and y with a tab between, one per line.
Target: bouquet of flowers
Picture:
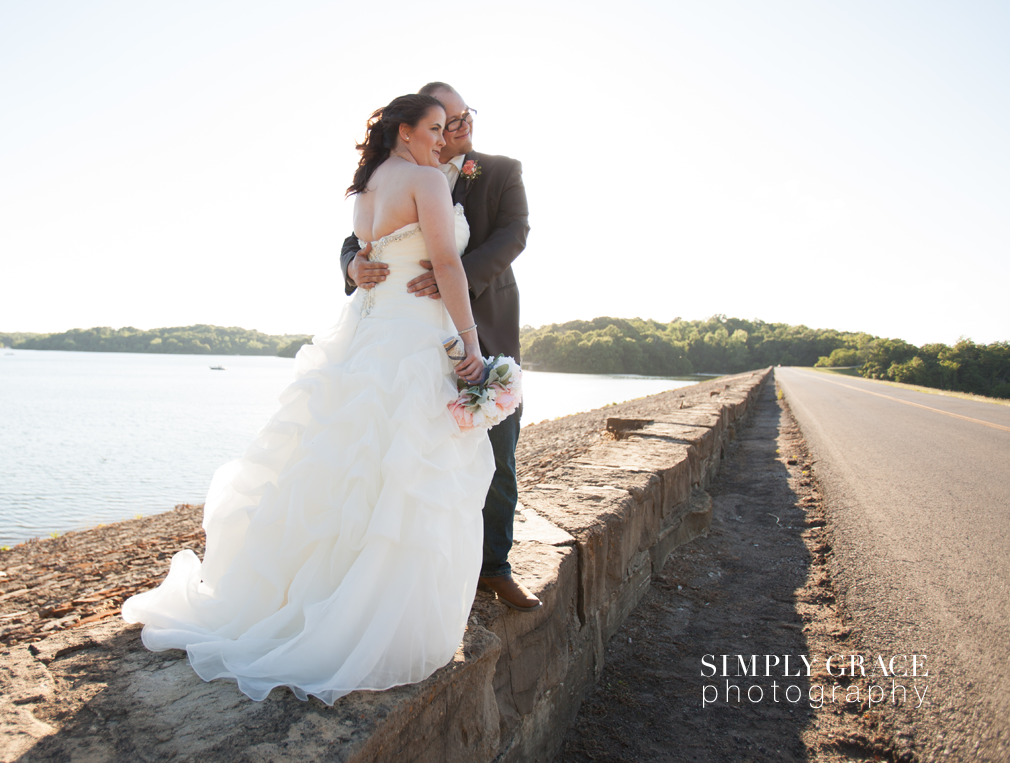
491	400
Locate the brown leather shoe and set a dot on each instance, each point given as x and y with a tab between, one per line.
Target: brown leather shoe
511	592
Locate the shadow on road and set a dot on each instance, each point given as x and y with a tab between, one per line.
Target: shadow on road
746	591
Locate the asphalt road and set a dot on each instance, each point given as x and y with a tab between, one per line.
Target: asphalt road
917	491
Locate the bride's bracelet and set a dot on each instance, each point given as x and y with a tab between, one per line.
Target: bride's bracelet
472	328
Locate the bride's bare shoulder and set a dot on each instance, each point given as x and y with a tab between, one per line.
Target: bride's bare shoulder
408	176
427	175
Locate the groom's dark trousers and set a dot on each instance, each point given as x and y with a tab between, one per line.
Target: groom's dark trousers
495	207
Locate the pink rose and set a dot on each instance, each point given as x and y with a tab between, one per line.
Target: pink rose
462	416
468	167
506	401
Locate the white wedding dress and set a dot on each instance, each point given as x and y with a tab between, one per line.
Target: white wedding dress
343	549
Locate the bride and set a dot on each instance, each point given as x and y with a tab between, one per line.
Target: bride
343	549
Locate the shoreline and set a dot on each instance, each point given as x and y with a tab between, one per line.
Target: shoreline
35	516
79	578
607	496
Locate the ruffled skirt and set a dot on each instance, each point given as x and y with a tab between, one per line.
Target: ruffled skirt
343	549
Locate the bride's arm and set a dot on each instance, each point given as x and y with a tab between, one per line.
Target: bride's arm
438	226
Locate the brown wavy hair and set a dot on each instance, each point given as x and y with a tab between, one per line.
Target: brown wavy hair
382	132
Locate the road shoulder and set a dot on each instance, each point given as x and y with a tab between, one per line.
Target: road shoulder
759	584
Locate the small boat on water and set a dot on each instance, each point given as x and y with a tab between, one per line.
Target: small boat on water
218	368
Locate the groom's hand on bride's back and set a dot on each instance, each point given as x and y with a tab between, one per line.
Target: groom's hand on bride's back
364	273
424	285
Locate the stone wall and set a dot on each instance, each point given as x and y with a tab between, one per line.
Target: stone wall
595	530
589	536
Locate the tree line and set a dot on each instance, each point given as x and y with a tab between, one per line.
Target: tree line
731	345
191	340
618	345
983	369
635	346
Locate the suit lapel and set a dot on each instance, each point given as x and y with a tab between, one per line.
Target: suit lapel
463	184
459	191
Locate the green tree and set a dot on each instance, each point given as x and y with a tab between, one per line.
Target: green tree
841	357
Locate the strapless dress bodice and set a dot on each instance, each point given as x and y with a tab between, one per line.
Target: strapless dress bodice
402	251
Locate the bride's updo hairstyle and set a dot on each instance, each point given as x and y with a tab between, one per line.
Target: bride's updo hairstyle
383	131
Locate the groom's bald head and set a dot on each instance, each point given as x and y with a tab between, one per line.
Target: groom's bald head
434	88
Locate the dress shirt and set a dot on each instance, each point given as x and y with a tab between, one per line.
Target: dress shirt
452	168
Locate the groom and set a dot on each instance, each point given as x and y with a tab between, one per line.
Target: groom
490	188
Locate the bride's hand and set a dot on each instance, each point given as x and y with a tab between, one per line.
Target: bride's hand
471	368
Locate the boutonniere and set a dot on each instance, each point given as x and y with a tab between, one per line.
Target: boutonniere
471	169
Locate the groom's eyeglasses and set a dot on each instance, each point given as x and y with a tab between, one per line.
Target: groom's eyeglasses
454	124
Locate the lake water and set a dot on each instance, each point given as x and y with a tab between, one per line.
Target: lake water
93	438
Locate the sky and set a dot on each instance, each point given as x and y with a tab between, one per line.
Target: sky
835	164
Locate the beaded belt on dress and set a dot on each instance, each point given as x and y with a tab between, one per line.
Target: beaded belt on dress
373	256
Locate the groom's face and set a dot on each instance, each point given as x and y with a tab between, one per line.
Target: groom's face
459	141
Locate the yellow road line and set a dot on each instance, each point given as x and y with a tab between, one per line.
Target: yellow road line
917	405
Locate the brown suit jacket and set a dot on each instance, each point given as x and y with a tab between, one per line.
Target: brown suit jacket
494	204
